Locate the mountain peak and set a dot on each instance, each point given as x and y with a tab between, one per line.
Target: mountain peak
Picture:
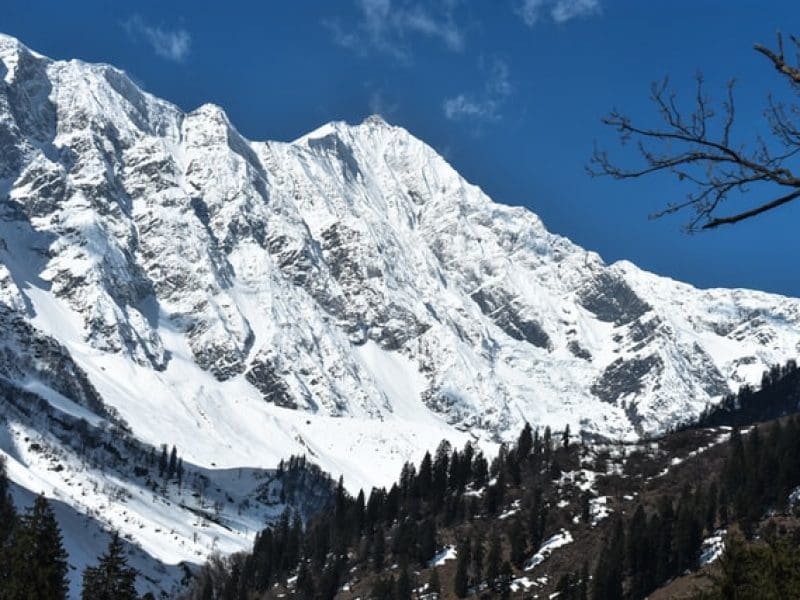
349	297
14	55
375	120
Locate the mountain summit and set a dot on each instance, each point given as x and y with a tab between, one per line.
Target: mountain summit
348	295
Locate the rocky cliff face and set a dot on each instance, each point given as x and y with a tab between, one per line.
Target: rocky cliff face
345	295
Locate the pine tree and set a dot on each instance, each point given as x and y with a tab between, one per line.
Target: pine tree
461	579
480	470
402	587
454	472
425	475
547	444
565	586
359	512
637	553
525	442
712	496
162	461
378	549
537	519
434	585
583	584
382	589
516	539
688	532
441	465
427	541
8	521
477	559
112	578
586	507
173	462
608	575
565	437
8	515
38	559
493	559
305	583
504	580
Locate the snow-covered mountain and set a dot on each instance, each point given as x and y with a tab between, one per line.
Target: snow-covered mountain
348	296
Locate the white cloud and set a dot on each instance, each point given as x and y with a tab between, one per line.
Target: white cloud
387	25
498	83
485	105
379	105
172	44
564	10
464	107
559	11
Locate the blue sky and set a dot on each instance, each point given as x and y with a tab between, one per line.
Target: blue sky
510	91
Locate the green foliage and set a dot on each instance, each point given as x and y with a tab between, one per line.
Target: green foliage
402	587
775	398
434	584
111	578
607	580
35	559
461	579
767	570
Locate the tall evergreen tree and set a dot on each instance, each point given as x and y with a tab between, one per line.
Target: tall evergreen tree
173	462
304	586
525	442
162	461
608	575
480	470
461	579
8	515
38	559
111	578
402	587
8	521
493	560
378	549
427	541
477	559
434	585
637	553
516	539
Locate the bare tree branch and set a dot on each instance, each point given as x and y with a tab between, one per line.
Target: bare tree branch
753	212
779	60
697	147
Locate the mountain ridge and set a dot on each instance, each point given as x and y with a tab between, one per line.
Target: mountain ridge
347	296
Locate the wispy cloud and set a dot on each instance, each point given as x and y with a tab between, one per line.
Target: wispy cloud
559	11
486	104
388	26
379	104
172	44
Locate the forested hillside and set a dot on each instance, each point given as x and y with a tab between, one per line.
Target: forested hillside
700	513
552	513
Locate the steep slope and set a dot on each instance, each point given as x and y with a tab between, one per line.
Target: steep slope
348	295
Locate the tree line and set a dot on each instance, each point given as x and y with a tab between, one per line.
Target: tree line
447	490
661	541
778	396
34	563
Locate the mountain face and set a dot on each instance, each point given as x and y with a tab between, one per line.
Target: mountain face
347	296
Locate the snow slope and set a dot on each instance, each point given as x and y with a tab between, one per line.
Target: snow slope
347	296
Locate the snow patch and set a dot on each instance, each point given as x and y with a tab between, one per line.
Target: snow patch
712	547
562	538
442	556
